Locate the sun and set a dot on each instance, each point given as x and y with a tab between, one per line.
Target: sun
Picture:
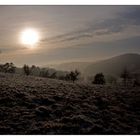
29	37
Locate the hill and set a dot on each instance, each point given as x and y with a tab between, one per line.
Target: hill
81	66
115	65
33	105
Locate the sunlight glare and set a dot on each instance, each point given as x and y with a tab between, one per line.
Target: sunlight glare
29	37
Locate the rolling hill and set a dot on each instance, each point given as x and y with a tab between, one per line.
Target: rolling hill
113	66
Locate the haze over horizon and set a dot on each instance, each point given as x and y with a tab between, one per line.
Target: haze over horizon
68	33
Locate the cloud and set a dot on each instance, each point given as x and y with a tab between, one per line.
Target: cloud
132	15
120	21
11	48
94	51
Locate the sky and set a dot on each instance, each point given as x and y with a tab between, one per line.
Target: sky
68	33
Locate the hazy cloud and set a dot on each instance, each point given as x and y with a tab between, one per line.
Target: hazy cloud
120	22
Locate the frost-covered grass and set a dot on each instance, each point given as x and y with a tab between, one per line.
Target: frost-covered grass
33	105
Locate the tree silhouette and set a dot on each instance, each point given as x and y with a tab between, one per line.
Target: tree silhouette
8	68
99	79
73	75
26	69
125	75
11	68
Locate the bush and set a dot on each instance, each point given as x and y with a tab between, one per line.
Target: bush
99	79
53	75
8	68
136	81
44	73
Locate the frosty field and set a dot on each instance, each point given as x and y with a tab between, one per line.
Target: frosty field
33	105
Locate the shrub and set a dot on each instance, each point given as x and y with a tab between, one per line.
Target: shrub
53	75
99	79
8	68
44	73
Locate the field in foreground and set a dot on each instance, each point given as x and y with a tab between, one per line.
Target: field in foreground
33	105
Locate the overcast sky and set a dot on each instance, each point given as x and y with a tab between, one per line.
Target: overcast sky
69	33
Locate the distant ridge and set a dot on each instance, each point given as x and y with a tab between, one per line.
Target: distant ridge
113	65
81	66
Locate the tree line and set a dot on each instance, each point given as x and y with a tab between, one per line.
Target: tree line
73	76
69	76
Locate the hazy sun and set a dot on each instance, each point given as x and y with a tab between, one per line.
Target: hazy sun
29	37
